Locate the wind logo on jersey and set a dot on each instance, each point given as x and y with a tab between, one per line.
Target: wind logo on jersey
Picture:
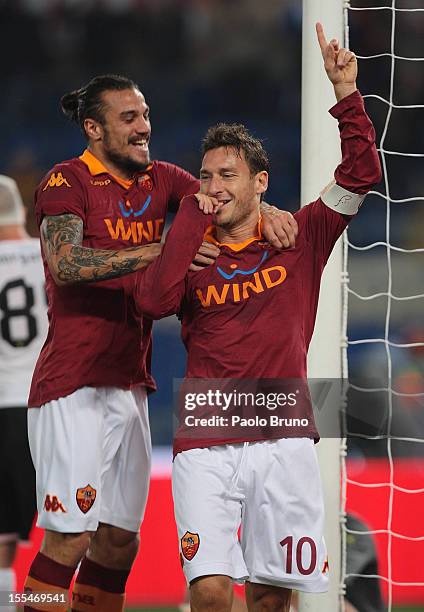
85	496
56	180
128	211
135	231
265	279
190	543
242	272
53	504
126	229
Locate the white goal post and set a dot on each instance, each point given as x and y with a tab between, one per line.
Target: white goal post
320	148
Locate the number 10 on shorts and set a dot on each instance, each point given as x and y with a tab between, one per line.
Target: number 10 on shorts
305	541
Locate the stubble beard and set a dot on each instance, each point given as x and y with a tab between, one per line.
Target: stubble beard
239	215
123	162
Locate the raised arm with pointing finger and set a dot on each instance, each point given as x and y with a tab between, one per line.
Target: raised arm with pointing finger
160	288
340	65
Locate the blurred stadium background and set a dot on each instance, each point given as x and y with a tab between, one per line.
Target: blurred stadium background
200	61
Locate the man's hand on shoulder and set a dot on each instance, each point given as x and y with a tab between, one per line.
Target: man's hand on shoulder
279	227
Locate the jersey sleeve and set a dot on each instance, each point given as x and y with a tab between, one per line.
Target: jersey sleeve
182	183
321	226
60	192
360	168
158	290
324	220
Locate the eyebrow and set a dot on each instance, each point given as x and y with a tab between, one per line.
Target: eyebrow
128	112
222	169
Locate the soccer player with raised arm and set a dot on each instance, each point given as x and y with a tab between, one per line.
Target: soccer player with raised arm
101	218
251	315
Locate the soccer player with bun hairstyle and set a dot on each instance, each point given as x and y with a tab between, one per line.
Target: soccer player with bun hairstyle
101	218
250	317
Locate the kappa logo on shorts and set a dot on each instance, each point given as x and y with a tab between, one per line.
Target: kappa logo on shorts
190	543
86	496
326	567
53	504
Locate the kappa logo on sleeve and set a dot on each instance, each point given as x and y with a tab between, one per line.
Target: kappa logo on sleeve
190	543
56	180
85	496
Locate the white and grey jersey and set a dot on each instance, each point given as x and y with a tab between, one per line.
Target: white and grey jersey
23	317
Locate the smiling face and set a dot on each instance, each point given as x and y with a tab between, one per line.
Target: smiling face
226	176
121	141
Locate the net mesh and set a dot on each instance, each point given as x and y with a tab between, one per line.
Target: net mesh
382	318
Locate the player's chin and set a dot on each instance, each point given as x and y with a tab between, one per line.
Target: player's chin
140	158
221	217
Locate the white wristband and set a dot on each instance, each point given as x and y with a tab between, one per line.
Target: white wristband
341	200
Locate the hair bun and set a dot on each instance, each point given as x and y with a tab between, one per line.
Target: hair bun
70	104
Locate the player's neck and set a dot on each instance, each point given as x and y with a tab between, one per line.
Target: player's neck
246	229
13	232
112	168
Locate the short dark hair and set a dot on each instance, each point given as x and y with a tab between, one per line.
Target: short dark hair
87	101
237	136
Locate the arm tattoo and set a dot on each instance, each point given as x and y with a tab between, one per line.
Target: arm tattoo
81	264
60	230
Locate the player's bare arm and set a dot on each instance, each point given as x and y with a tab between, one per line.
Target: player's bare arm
71	263
340	65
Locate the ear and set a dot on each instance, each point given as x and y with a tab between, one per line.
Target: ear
93	129
261	182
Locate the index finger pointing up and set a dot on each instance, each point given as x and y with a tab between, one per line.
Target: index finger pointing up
321	37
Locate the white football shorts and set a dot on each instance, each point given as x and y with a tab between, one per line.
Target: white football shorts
272	489
92	455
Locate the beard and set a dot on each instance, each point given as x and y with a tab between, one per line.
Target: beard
240	213
124	162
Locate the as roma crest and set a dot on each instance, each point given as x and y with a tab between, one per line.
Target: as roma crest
190	543
145	181
86	496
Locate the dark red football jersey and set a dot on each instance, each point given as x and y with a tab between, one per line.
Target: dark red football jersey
251	315
94	338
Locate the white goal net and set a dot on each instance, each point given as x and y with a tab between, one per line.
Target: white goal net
383	310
